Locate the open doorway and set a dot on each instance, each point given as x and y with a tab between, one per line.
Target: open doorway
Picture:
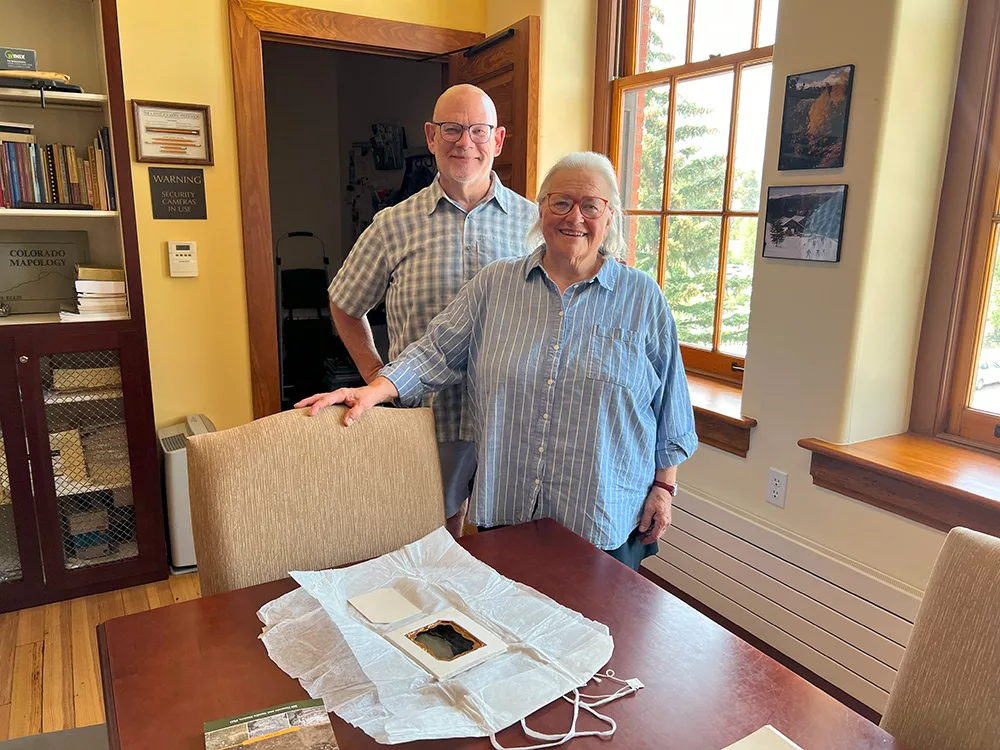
345	139
505	65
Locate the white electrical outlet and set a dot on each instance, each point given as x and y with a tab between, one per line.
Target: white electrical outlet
777	483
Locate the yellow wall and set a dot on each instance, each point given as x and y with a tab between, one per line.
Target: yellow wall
566	78
197	328
831	346
467	15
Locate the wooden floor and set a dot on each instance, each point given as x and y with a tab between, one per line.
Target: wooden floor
50	677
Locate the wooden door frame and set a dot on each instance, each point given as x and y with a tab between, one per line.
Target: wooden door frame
250	23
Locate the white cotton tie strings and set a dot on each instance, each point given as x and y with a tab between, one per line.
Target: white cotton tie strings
579	701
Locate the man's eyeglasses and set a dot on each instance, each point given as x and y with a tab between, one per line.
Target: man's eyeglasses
452	131
591	206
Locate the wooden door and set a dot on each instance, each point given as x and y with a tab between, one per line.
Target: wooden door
87	415
21	578
505	66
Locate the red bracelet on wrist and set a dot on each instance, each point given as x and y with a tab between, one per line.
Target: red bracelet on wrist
671	488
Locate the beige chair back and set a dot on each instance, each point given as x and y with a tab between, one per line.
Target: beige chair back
947	693
293	492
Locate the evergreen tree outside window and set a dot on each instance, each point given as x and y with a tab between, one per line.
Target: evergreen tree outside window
688	128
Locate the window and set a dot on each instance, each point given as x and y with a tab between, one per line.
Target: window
687	130
956	388
975	392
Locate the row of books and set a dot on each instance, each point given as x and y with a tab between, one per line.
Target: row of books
100	295
35	175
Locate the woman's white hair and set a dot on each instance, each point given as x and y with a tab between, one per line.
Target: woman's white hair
587	161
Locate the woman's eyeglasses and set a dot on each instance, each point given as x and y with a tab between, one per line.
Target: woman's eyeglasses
591	206
452	131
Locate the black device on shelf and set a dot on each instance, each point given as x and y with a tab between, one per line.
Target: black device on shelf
54	206
40	84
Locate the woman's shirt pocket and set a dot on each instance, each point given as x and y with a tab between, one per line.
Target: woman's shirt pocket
617	356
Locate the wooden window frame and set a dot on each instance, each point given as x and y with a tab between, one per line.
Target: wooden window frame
967	232
618	29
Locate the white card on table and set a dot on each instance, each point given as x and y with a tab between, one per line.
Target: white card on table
765	738
383	606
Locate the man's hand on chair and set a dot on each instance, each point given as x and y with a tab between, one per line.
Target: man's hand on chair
359	400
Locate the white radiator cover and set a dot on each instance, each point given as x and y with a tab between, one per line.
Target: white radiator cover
844	621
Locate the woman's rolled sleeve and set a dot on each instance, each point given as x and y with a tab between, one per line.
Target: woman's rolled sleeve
676	438
676	450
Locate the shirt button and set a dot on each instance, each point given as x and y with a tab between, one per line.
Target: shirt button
551	381
545	416
541	449
538	481
555	347
561	313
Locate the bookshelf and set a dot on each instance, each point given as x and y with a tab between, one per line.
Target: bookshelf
47	214
85	510
69	487
57	99
68	37
29	319
76	397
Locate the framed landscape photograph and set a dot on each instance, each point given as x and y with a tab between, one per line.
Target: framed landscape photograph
814	119
805	222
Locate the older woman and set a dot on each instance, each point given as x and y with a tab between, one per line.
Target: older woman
580	401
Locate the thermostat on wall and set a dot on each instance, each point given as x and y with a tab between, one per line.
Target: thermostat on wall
183	258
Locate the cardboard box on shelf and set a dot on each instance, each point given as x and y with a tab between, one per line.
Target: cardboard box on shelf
123	497
91	545
92	552
85	378
85	521
67	456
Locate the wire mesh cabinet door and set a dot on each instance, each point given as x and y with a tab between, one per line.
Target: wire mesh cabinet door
21	578
88	415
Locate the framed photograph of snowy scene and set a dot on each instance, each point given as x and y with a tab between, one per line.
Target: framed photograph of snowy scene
805	222
814	119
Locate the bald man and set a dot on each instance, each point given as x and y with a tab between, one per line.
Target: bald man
420	253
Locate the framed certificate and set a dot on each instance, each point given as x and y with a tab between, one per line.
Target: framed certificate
172	133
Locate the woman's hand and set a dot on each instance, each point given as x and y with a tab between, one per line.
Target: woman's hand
359	400
655	515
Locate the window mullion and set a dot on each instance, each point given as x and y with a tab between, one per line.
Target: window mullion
720	283
668	163
689	53
661	261
755	36
727	194
614	147
630	63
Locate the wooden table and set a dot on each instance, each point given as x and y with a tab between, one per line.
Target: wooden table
169	670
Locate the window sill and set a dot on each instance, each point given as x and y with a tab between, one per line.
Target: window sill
933	482
718	415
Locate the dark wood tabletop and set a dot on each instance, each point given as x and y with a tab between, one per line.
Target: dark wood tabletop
169	670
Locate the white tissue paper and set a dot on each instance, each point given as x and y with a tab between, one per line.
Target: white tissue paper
315	636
